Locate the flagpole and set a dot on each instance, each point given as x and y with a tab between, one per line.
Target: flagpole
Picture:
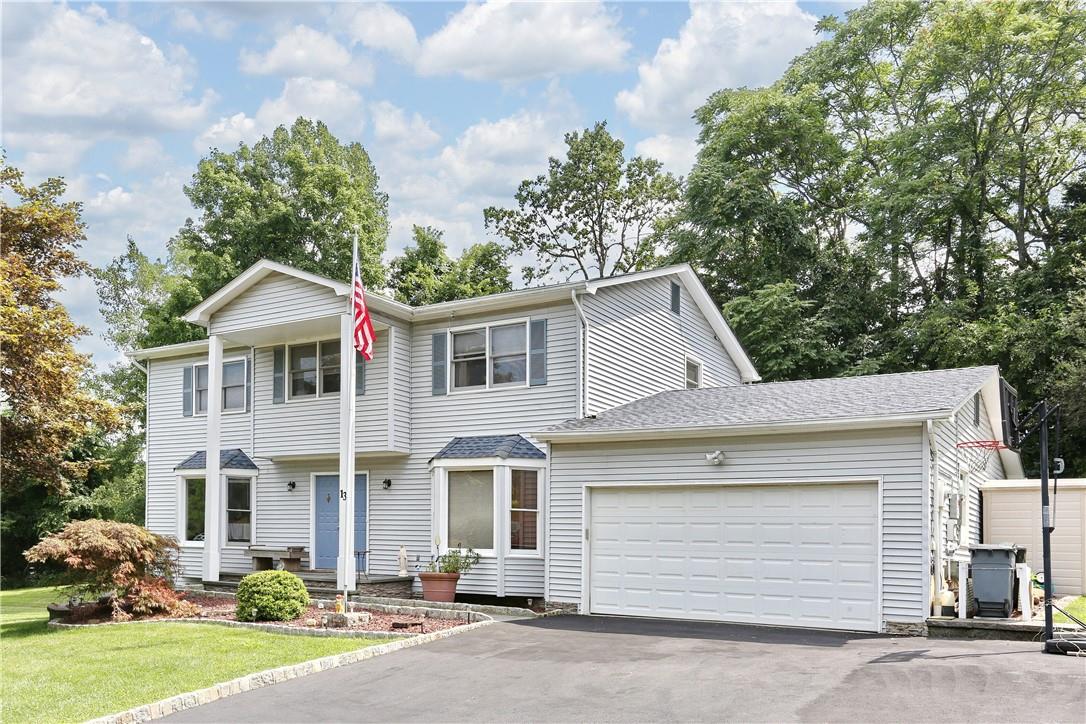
346	576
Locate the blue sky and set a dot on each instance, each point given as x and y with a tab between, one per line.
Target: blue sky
456	103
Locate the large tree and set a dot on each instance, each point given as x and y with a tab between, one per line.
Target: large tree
593	214
426	274
299	196
47	412
904	180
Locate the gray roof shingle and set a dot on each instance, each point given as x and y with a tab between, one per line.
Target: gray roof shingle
233	459
490	446
767	403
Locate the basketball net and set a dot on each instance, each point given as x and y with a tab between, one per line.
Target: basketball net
976	454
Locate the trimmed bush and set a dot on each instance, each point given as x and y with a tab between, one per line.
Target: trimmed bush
271	596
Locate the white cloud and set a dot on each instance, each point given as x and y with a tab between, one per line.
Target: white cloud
721	45
206	23
305	52
47	154
331	101
482	167
81	69
677	153
391	125
507	41
143	153
379	27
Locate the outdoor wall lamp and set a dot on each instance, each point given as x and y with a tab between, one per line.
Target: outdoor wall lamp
386	483
715	457
292	485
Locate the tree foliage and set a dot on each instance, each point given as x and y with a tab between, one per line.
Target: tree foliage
915	181
425	274
594	214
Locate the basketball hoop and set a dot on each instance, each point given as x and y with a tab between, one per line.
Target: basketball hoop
977	453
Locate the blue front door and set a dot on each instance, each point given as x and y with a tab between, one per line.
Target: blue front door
326	518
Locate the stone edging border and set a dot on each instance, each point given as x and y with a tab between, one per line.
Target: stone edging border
269	627
260	679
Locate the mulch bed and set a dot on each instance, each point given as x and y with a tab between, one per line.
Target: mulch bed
224	609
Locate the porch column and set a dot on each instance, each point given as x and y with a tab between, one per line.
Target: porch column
345	564
213	497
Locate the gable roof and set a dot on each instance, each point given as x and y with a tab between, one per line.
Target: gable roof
490	446
201	313
231	459
867	401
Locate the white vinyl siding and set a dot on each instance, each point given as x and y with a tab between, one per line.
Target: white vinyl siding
277	299
892	455
638	347
951	459
172	437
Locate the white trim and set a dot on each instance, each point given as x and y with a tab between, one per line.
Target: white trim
584	606
252	475
313	515
488	358
222	410
442	508
667	433
182	507
537	552
1032	484
687	359
321	394
476	463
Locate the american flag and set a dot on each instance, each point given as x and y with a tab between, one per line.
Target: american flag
363	325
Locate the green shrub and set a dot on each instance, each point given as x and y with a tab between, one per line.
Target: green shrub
271	596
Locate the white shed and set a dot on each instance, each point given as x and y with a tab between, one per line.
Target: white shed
1012	514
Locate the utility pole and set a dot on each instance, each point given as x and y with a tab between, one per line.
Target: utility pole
1046	523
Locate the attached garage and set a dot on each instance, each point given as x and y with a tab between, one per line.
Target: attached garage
798	555
810	504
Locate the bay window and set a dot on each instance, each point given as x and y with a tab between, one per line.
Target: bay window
239	510
470	509
192	510
524	510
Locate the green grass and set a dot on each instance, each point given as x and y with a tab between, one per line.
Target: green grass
1076	608
71	675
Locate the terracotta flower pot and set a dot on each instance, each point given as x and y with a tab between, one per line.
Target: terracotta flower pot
439	586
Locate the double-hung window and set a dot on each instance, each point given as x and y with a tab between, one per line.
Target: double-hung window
509	354
239	510
200	389
314	369
492	356
233	386
524	510
192	501
693	374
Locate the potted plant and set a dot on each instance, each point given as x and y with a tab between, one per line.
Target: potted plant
440	577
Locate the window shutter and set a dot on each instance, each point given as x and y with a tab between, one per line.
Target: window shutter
186	392
439	365
675	297
249	383
537	352
359	373
279	363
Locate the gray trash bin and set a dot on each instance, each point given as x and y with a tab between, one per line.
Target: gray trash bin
994	579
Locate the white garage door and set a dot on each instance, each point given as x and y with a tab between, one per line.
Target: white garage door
803	555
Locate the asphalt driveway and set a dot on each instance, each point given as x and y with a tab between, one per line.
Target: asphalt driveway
578	668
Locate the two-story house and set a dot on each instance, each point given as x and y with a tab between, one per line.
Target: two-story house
596	442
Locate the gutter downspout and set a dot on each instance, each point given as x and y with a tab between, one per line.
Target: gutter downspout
582	392
938	524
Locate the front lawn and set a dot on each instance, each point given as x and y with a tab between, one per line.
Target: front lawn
76	674
1076	608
